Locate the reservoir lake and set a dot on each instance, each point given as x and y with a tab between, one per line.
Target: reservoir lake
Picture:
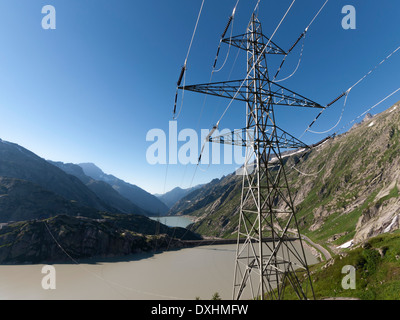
183	274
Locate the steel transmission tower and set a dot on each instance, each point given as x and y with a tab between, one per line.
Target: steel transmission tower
270	247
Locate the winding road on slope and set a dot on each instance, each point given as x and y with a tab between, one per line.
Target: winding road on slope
325	252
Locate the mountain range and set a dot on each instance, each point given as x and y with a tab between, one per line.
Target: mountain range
346	190
131	192
125	197
31	187
25	170
171	197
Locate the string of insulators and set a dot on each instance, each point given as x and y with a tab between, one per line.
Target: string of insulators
181	75
222	37
176	100
177	87
337	99
207	139
290	50
280	67
327	106
227	27
312	146
216	57
297	41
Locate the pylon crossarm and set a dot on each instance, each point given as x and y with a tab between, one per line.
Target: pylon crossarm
241	42
245	137
240	90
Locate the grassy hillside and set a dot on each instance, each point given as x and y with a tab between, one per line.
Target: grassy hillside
377	264
355	191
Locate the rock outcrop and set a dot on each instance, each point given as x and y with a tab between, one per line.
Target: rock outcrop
67	239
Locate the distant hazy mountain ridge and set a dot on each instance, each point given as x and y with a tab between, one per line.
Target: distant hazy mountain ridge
176	194
31	188
19	163
102	189
133	193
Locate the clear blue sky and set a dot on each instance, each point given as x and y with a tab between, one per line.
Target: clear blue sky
90	90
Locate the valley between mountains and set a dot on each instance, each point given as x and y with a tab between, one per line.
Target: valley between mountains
346	193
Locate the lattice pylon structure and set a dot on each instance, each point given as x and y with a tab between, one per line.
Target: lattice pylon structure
270	249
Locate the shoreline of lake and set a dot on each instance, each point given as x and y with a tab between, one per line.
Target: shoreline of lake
175	221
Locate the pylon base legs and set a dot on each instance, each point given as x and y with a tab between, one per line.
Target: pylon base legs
274	275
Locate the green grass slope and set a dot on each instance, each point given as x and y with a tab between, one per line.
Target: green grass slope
377	265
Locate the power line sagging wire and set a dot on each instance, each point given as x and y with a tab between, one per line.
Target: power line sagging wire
309	174
340	118
351	88
368	110
230	24
376	67
231	21
338	131
302	36
298	64
316	16
184	67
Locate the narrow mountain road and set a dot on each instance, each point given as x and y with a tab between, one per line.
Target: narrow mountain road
325	252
